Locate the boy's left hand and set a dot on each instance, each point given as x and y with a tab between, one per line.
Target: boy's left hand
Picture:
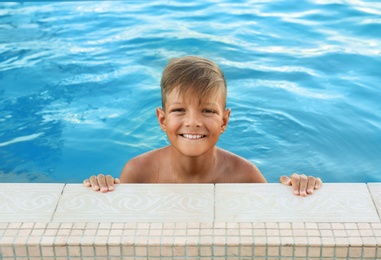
302	185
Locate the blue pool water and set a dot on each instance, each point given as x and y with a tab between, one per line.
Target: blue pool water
79	83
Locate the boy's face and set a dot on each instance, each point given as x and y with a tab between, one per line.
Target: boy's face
193	126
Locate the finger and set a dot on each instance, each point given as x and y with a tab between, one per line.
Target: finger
117	181
86	183
303	185
102	183
285	180
318	183
94	183
110	182
311	184
295	181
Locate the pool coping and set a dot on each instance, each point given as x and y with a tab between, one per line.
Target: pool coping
213	239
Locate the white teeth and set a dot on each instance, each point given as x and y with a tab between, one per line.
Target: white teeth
192	136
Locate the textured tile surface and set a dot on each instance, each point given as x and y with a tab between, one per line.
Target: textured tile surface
275	202
137	203
23	202
375	191
219	240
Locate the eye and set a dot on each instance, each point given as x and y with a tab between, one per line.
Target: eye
209	111
177	110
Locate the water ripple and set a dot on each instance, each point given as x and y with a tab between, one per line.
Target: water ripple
303	81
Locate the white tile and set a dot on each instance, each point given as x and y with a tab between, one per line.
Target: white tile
375	191
27	202
334	202
137	203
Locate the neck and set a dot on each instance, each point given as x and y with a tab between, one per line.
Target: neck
193	169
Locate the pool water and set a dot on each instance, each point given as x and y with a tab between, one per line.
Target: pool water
79	84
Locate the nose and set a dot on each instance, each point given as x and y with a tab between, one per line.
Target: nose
193	119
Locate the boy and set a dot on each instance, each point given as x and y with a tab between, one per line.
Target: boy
194	115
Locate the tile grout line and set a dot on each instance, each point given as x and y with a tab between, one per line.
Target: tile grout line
214	203
214	221
374	203
58	201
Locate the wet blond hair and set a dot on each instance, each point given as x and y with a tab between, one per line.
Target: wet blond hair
193	76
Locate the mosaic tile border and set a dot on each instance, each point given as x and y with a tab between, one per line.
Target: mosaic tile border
218	240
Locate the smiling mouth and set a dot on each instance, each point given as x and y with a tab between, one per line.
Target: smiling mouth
192	137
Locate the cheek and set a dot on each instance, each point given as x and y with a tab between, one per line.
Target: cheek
173	124
215	127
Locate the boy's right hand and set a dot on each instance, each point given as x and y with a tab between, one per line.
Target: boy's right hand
101	182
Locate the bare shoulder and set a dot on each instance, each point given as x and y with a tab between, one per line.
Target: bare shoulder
141	169
238	169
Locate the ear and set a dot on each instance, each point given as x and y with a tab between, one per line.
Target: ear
160	114
225	120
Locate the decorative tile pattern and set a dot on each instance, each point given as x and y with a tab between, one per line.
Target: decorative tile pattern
23	202
375	191
276	203
137	202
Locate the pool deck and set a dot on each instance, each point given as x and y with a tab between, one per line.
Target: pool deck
189	221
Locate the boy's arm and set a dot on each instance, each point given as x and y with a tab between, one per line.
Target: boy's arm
134	171
301	184
107	183
256	175
130	171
